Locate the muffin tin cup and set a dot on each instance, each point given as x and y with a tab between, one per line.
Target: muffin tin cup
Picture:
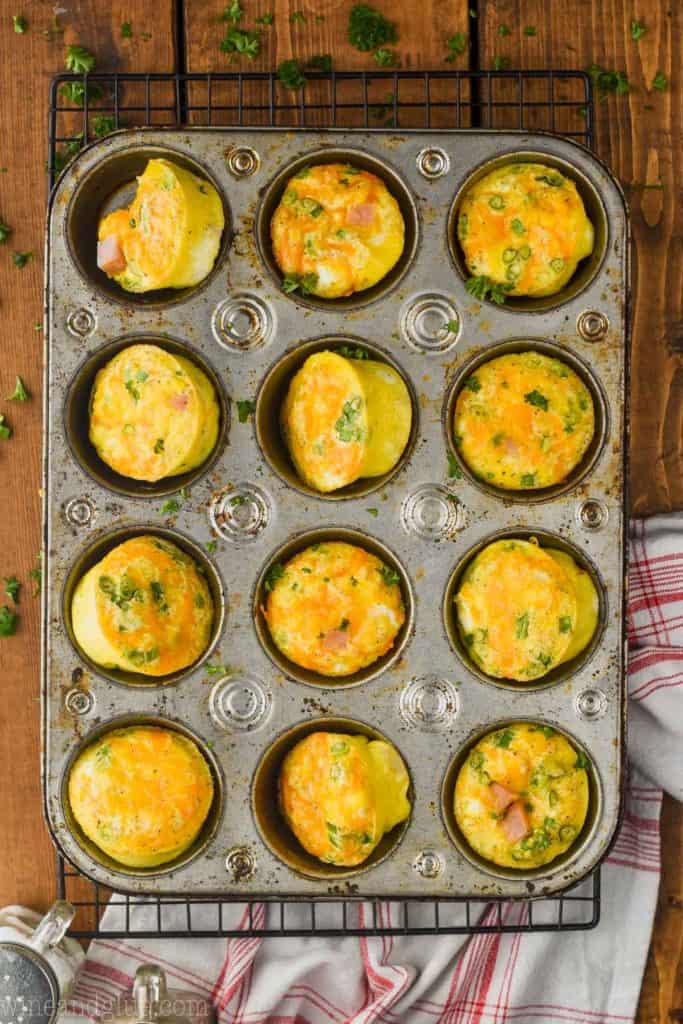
272	393
111	184
245	509
273	192
564	861
530	496
77	420
587	269
562	671
273	828
205	834
283	555
101	547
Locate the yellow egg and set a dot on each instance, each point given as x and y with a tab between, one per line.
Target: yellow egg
145	608
153	414
343	419
521	797
525	227
337	230
522	610
169	237
341	794
523	420
141	794
334	608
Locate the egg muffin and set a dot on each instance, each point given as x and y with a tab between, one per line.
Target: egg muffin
522	610
341	794
524	226
344	419
523	421
141	794
521	797
153	414
170	235
337	230
334	608
144	608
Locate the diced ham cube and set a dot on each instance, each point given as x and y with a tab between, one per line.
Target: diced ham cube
110	256
336	640
361	215
515	822
180	401
502	797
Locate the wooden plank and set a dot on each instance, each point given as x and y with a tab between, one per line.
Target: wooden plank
639	136
27	62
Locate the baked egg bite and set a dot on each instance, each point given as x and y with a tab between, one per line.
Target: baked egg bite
524	226
337	230
170	235
343	419
141	794
144	608
341	794
522	610
521	797
153	414
523	421
334	608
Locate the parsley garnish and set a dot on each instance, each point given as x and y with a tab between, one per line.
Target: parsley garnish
291	74
305	283
483	287
457	44
373	511
638	29
265	19
564	623
536	398
529	30
320	62
369	29
103	124
20	24
606	82
528	480
75	92
211	546
389	575
473	383
233	13
20	394
353	352
275	573
12	586
660	81
504	30
68	151
169	507
386	58
8	621
159	446
36	574
454	471
582	762
504	738
243	42
522	626
297	16
214	670
20	259
555	180
345	427
79	60
5	430
126	30
245	408
5	231
501	63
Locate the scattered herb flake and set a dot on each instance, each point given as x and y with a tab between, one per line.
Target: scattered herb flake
638	29
36	574
457	44
265	19
389	575
79	60
233	13
353	352
12	586
660	81
103	125
373	511
20	394
504	30
211	546
20	259
529	30
126	30
245	408
386	58
5	231
290	72
74	92
320	62
296	16
214	670
482	287
159	446
606	82
8	621
454	471
67	152
305	283
368	28
504	738
170	507
473	384
582	762
564	623
244	43
522	626
145	36
5	430
275	573
501	63
20	24
536	399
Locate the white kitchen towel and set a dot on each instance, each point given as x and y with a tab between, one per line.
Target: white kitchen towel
588	977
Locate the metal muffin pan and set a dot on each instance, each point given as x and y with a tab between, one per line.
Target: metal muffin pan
425	697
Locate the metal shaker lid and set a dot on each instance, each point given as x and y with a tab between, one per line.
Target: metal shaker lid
29	993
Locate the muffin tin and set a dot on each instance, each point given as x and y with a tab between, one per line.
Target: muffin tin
245	509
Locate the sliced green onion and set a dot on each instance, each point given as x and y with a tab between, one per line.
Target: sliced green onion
525	252
509	255
497	203
557	265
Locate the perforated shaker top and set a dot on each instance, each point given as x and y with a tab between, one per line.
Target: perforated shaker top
28	988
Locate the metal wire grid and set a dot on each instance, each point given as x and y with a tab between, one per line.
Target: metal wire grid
175	917
556	101
527	100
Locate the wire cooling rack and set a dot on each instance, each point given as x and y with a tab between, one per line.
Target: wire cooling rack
556	101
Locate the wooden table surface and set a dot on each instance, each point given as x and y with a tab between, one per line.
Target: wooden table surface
640	135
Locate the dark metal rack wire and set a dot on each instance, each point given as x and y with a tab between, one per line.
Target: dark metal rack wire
555	101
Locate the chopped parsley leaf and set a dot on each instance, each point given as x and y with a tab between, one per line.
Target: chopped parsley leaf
353	352
501	63
389	575
20	24
5	429
564	623
20	259
12	586
537	399
5	231
473	383
291	74
373	512
528	480
344	625
8	621
244	43
504	30
368	28
36	574
385	58
305	283
582	762
522	626
79	60
660	81
266	19
483	287
320	62
275	573
233	13
245	408
296	16
529	30
214	670
638	29
504	738
606	82
126	30
169	507
20	394
211	546
454	471
103	125
457	44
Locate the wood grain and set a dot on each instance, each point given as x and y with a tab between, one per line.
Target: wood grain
27	62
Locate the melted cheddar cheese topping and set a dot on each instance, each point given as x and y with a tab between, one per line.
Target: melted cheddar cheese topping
525	227
521	797
153	414
344	419
141	794
334	608
341	794
144	608
337	230
522	609
523	421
